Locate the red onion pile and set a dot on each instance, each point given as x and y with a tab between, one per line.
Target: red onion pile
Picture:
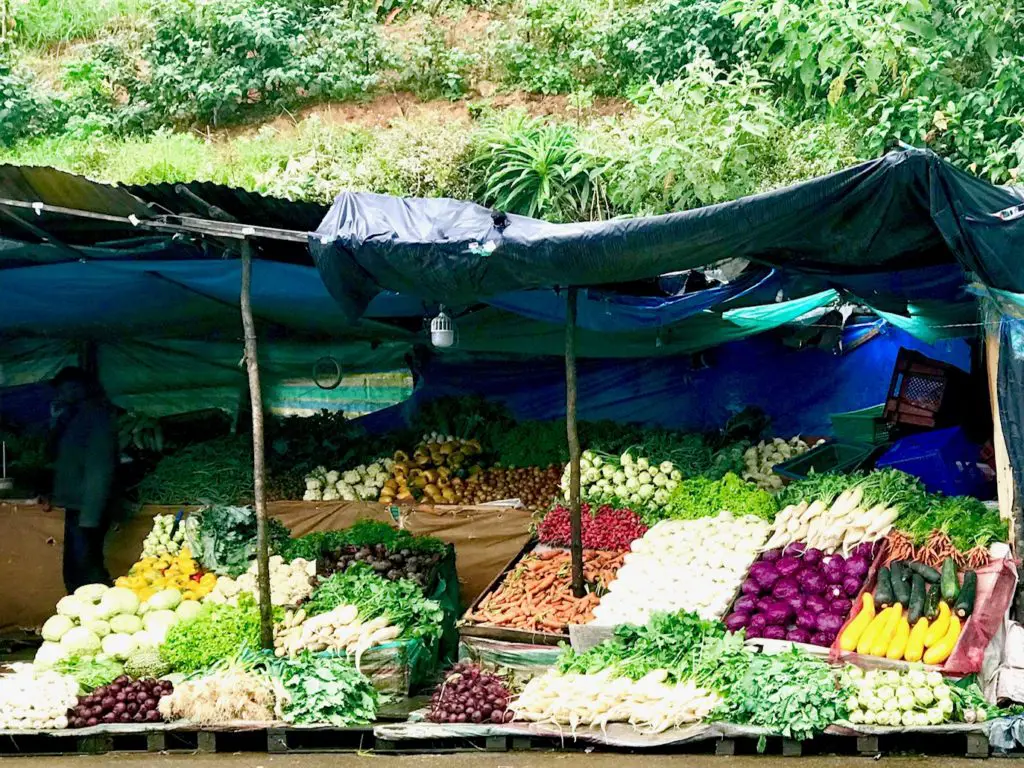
123	701
469	695
608	528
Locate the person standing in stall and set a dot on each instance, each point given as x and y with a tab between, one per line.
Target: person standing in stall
84	441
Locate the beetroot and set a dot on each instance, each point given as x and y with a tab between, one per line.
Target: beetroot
785	587
751	587
745	604
469	695
123	701
787	565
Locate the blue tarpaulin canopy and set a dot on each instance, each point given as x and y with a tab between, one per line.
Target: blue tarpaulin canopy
904	235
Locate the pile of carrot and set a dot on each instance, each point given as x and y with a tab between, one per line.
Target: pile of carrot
934	551
537	595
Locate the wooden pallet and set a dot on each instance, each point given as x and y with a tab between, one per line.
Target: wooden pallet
273	740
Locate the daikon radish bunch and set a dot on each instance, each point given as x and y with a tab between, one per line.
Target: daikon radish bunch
683	565
842	526
339	629
650	704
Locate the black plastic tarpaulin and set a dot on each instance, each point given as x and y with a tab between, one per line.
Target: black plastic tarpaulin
906	210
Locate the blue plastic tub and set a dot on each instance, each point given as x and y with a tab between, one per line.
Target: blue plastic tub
944	460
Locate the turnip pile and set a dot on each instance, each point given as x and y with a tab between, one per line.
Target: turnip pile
683	565
650	704
469	695
123	701
799	594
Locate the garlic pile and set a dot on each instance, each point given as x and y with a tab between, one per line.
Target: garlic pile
290	583
363	483
31	699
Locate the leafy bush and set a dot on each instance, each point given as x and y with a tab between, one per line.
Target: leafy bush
25	109
532	167
550	47
655	40
215	63
431	66
693	141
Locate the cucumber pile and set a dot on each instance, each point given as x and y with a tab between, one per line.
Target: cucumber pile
936	607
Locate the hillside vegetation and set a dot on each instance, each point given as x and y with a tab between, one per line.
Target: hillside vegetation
564	109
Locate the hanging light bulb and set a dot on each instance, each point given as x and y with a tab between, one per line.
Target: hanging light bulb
442	330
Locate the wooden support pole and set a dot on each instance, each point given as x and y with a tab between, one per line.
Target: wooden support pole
575	521
256	398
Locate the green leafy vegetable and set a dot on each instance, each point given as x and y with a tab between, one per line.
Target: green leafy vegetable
218	633
322	689
701	497
90	672
363	533
792	694
670	641
967	521
226	541
401	602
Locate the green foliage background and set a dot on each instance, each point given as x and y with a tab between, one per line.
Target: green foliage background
660	105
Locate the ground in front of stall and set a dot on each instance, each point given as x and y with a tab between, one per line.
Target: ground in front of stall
505	760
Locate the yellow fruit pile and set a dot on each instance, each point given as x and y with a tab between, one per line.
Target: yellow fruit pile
151	574
434	474
888	633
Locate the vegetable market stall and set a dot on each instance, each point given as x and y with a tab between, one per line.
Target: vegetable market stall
485	538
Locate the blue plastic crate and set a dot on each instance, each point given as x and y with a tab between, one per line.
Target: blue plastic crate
944	460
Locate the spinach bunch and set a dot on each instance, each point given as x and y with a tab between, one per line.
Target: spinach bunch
670	641
792	694
322	689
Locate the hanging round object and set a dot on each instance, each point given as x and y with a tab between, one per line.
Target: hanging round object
442	330
327	373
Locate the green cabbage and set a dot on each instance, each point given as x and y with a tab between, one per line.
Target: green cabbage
81	641
56	627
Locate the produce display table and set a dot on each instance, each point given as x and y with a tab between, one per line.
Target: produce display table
406	737
485	539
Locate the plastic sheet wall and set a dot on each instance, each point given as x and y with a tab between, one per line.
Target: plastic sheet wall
485	539
799	389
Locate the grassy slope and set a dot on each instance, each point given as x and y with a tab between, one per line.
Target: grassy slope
393	143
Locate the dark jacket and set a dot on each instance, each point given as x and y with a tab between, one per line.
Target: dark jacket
83	473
